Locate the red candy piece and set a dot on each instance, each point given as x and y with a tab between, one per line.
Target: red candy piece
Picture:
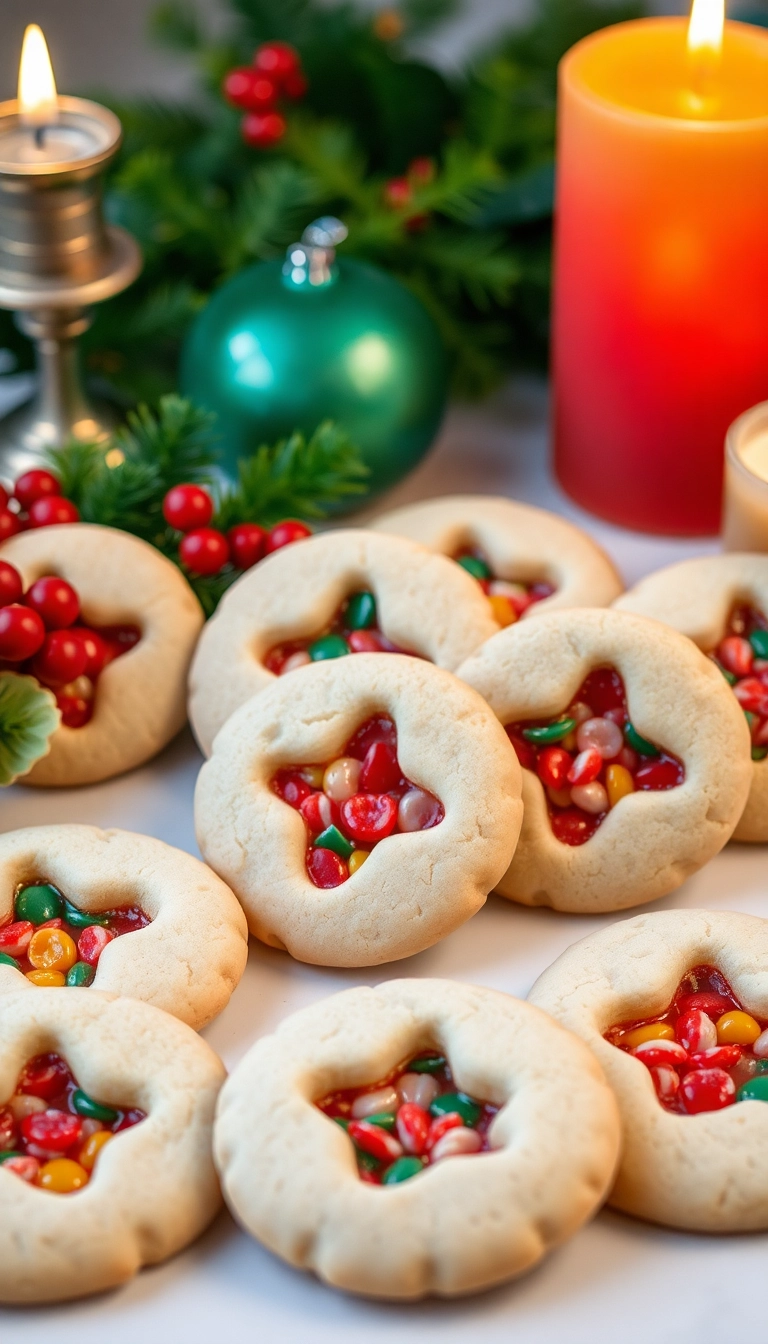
8	1130
658	775
718	1057
21	633
55	601
752	695
378	729
707	1090
373	1140
34	485
326	869
413	1124
666	1082
654	1053
287	532
16	937
186	507
53	1131
247	544
441	1125
370	641
11	586
572	826
74	709
291	787
204	551
53	512
44	1076
603	691
554	767
61	659
369	817
9	525
708	1001
92	942
381	769
526	754
586	767
696	1030
319	811
736	654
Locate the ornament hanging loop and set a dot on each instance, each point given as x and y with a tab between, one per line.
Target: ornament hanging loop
310	263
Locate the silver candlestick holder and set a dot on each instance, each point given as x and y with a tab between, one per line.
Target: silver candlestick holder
58	257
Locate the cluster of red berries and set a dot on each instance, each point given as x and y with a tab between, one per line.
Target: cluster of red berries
275	73
205	550
39	635
398	191
36	501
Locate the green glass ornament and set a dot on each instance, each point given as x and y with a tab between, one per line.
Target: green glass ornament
285	346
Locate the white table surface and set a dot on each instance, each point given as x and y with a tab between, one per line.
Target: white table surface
617	1279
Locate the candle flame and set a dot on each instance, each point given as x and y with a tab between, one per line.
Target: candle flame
38	104
705	28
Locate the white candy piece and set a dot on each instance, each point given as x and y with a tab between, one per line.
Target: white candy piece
299	659
672	1048
603	734
701	1033
456	1142
371	1103
420	1088
417	811
667	1081
760	1046
590	797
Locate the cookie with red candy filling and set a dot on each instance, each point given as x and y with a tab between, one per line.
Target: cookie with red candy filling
450	1216
721	603
528	561
673	1004
152	1186
121	912
635	756
139	697
384	757
341	593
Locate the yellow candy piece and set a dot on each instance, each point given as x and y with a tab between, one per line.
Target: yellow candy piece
47	979
503	610
62	1176
357	860
92	1147
569	742
313	775
560	797
737	1028
52	950
653	1031
618	783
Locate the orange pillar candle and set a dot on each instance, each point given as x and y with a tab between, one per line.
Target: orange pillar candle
661	267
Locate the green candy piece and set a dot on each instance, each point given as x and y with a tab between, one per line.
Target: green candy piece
80	975
5	960
427	1064
459	1103
384	1119
474	566
639	744
759	753
552	732
7	1154
755	1089
762	1066
750	717
330	646
80	919
759	641
38	903
361	612
339	1120
730	677
331	838
92	1110
367	1160
402	1170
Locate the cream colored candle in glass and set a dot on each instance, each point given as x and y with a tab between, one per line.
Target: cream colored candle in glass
745	508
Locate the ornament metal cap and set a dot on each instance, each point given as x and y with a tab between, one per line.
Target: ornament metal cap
309	263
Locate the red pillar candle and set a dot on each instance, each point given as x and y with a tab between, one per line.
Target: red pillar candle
661	268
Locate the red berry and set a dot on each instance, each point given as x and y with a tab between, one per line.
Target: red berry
55	600
187	506
381	769
707	1090
92	942
53	512
291	787
75	711
96	651
44	1076
9	524
369	817
262	129
421	170
249	88
247	543
553	767
285	533
295	86
54	1131
21	633
277	59
659	775
397	192
11	585
326	869
62	658
204	551
573	827
34	485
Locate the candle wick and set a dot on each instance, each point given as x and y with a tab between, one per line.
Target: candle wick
40	137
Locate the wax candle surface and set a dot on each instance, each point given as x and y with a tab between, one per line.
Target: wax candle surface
661	270
745	512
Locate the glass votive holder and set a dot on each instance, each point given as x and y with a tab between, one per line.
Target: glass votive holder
745	501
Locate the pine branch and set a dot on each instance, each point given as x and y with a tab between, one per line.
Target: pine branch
178	442
295	477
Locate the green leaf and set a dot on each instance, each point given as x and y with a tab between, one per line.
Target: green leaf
529	196
76	465
28	719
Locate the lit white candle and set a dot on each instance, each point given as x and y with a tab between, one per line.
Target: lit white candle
40	129
745	508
